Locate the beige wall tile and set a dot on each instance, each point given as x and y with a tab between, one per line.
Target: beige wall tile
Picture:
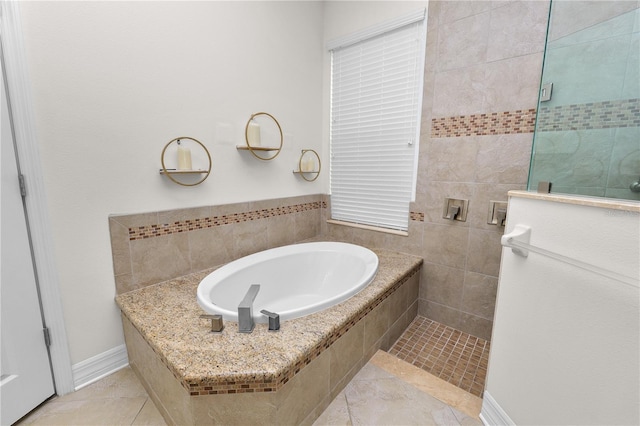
484	252
236	409
120	250
440	313
503	158
297	399
157	259
451	159
442	284
376	324
463	42
125	283
171	399
512	84
508	38
397	328
413	288
250	237
280	231
449	11
210	247
306	224
179	215
346	352
445	245
459	92
475	325
398	303
479	297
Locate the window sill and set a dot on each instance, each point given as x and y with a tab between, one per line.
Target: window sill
368	227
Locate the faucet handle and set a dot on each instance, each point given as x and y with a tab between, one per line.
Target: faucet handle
274	320
217	325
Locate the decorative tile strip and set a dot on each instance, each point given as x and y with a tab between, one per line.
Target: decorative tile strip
593	115
217	388
495	123
150	231
416	216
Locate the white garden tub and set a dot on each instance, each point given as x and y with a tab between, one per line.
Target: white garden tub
295	280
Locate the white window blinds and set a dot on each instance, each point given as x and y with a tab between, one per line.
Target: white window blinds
376	96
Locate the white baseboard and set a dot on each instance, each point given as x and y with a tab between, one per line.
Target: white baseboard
492	414
99	366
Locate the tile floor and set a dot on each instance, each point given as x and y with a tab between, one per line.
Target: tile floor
118	399
387	391
447	353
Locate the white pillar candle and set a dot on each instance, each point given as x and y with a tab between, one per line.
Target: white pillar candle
308	164
184	158
253	134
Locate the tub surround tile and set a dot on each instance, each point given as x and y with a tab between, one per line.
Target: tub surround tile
192	223
148	248
196	377
153	259
167	315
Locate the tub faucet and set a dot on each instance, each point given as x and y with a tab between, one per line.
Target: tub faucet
274	320
245	310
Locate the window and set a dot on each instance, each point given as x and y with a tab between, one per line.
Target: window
376	97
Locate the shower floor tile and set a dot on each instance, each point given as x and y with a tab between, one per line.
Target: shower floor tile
452	355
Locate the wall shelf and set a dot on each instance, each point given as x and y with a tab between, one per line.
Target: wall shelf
184	172
255	147
309	175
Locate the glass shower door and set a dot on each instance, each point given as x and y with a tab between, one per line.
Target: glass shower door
587	136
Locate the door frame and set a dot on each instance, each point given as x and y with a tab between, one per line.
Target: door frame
19	92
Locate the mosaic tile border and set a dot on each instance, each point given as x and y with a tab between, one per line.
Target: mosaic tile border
495	123
592	115
417	216
150	231
228	387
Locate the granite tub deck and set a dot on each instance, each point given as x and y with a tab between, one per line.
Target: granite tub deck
285	377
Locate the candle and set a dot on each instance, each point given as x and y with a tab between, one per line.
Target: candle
253	134
308	164
184	158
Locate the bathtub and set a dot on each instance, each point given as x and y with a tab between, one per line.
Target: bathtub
295	280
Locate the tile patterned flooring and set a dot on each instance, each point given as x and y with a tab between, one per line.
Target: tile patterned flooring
447	353
387	390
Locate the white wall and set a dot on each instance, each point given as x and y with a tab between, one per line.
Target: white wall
566	339
113	82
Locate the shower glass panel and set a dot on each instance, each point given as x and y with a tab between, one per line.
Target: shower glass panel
587	136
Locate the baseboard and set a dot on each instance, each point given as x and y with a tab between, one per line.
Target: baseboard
492	414
99	366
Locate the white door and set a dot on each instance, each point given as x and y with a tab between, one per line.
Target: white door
26	379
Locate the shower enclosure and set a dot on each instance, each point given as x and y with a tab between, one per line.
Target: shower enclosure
587	136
